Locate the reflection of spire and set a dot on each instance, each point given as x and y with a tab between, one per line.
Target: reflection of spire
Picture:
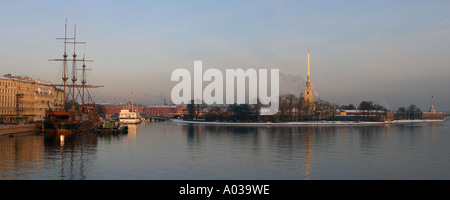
308	141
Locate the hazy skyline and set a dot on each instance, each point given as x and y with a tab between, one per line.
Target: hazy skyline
394	53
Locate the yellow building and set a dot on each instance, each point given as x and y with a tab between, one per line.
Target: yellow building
24	99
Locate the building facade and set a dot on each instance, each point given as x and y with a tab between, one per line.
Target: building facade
108	110
165	110
23	99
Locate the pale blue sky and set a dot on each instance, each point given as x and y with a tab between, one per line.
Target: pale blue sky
394	53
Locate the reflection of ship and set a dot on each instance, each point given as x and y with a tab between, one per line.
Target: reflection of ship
132	129
70	153
129	115
72	118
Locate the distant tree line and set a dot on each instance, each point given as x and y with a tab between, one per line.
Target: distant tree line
411	112
291	108
364	105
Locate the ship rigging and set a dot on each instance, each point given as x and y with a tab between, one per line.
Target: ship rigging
74	118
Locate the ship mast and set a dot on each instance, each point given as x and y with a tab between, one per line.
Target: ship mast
83	82
65	77
64	63
73	66
130	102
74	79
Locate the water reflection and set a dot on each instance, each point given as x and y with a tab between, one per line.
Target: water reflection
314	147
132	134
133	129
70	154
19	152
292	144
170	150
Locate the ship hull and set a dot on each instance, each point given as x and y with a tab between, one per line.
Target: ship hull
70	122
59	131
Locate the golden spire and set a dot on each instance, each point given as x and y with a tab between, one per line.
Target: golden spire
308	67
308	90
308	80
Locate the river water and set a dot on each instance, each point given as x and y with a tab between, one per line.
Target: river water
175	151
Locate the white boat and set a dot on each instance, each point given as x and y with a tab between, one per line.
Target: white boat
128	117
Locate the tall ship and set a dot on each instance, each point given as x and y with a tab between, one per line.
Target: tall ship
72	117
129	115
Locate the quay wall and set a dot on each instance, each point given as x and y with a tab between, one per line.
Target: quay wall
12	129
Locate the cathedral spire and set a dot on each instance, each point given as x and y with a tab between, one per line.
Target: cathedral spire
308	90
308	67
432	110
308	80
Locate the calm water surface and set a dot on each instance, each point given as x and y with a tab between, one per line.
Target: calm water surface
170	150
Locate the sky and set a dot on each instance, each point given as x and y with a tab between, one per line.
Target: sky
394	53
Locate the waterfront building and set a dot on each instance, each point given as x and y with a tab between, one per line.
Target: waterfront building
432	114
155	110
165	110
364	115
23	99
110	109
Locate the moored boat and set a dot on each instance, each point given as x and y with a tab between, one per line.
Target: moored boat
129	117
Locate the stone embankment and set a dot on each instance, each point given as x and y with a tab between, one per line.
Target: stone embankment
21	128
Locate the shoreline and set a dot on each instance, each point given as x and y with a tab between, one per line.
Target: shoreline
16	128
315	123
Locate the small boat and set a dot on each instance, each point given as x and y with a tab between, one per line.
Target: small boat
112	128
